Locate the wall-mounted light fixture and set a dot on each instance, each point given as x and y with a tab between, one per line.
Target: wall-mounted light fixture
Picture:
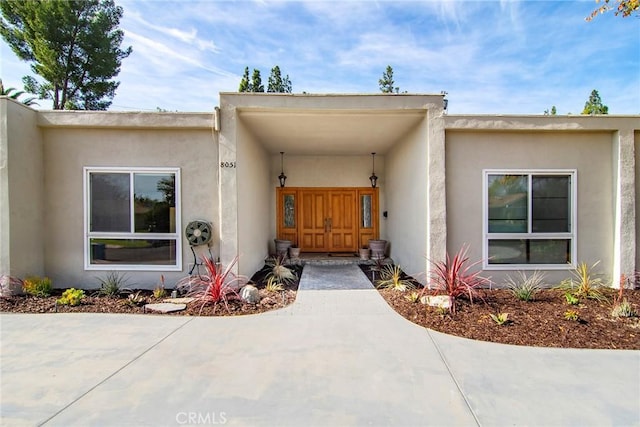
373	178
445	101
282	176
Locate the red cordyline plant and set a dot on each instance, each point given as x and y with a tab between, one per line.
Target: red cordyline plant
455	278
217	285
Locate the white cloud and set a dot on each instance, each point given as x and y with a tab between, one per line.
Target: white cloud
491	56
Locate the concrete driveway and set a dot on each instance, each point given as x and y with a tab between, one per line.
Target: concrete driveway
339	356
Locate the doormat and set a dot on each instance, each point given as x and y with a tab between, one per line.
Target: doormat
343	254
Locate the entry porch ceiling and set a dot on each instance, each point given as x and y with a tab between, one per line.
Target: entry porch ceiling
330	132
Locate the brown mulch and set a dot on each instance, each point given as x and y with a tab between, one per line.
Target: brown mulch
537	323
92	303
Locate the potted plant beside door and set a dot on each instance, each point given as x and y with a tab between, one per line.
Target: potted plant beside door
378	248
282	247
294	252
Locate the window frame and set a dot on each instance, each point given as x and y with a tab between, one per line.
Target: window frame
571	235
133	235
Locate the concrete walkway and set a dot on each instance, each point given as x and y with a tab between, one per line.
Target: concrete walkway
338	356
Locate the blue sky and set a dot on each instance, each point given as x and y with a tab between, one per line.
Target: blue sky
492	57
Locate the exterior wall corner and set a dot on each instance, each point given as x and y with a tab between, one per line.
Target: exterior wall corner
625	243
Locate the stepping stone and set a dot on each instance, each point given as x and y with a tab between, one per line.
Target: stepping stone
184	300
165	307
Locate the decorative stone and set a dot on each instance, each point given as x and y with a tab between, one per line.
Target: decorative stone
184	300
10	287
165	307
250	294
441	301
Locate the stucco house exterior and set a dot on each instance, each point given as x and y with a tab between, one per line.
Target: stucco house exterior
82	193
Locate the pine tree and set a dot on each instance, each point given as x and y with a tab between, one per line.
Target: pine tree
276	83
386	82
73	45
245	84
594	105
256	82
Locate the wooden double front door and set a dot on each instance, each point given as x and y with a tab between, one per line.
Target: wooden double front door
327	219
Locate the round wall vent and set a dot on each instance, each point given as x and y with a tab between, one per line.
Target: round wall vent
199	232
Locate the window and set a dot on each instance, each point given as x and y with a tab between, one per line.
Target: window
529	219
132	219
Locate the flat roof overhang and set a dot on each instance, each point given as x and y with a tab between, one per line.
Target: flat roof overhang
330	132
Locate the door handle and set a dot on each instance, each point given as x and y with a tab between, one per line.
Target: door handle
328	224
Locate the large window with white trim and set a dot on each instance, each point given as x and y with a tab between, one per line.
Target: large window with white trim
132	218
529	219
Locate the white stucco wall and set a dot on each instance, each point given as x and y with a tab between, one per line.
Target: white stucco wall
254	195
624	235
590	153
122	143
328	140
21	191
407	201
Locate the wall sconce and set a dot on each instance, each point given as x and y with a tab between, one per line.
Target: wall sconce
373	178
282	176
445	101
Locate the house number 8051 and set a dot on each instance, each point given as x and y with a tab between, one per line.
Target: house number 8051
227	164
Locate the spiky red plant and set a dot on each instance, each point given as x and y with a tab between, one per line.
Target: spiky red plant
454	277
217	285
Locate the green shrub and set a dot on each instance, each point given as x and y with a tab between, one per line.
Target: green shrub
136	299
37	286
413	297
525	287
571	299
280	272
500	318
571	315
113	285
391	277
159	291
273	285
623	309
621	305
71	297
584	283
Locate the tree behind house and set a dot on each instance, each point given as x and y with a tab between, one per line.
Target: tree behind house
276	83
594	105
256	82
245	84
74	45
386	82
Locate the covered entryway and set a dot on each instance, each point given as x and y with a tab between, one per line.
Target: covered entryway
326	142
327	219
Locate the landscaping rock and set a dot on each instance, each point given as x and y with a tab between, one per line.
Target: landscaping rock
165	307
250	294
441	301
10	287
184	300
